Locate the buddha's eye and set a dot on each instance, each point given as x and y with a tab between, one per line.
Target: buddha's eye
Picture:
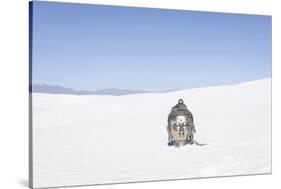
177	126
184	125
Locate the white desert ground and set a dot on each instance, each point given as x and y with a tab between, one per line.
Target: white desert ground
83	140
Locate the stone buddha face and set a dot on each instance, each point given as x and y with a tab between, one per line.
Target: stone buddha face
179	130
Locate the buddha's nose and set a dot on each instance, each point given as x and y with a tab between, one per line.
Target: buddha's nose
181	129
181	132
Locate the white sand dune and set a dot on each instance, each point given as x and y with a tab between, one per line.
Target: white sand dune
81	140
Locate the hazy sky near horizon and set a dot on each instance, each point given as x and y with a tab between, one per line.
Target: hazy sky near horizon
94	47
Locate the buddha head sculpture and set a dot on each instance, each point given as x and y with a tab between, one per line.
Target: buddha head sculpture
180	125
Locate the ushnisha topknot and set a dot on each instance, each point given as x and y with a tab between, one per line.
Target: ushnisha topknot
178	110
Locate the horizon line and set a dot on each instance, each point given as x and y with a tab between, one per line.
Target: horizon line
138	91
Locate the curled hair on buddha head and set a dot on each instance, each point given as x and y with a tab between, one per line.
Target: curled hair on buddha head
180	109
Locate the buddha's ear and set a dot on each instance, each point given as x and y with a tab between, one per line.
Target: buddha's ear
169	130
193	128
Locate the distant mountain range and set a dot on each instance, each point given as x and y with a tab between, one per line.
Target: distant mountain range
56	89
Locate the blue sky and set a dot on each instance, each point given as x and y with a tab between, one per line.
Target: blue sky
94	47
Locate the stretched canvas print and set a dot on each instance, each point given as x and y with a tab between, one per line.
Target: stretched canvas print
127	94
